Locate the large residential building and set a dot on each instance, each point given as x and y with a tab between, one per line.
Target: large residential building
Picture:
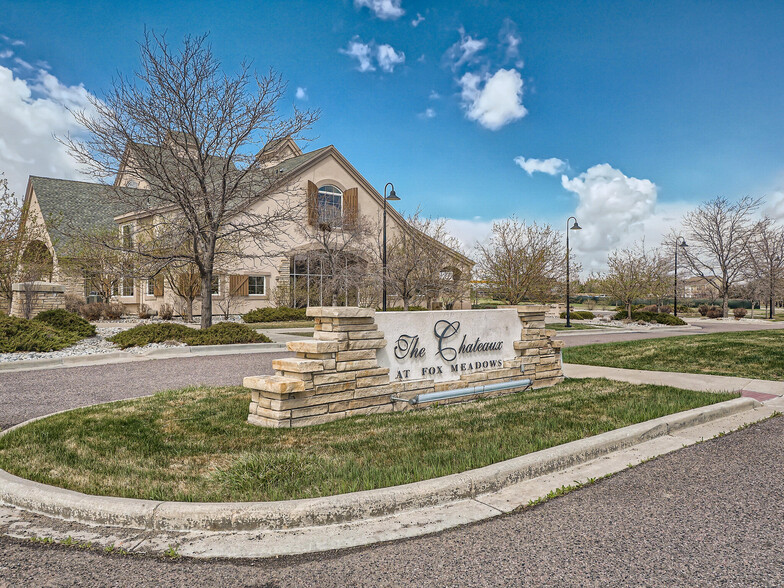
331	192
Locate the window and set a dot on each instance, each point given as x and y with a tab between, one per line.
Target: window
330	204
123	287
151	287
127	236
215	286
256	285
132	184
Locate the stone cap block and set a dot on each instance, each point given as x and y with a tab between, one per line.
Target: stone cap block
340	312
38	287
296	365
313	346
275	384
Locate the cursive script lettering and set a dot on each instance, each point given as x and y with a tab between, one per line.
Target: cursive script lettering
408	346
444	330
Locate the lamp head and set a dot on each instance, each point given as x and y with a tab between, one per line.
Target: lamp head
575	226
392	195
683	243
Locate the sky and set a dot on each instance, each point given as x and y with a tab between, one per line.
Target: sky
625	114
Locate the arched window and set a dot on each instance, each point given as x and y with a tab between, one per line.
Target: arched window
330	204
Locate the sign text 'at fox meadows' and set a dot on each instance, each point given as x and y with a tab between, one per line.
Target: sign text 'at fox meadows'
443	345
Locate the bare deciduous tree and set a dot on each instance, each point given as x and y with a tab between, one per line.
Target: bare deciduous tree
524	262
193	136
719	234
766	261
635	272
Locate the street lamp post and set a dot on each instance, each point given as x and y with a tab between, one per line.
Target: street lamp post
574	227
392	197
772	283
681	244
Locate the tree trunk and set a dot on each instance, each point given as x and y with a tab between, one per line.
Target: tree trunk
629	310
206	300
189	310
725	307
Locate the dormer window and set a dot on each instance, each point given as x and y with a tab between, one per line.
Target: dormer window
330	205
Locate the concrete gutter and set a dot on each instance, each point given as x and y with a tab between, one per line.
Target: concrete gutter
125	356
346	508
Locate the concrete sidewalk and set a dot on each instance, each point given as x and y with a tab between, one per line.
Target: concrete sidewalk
700	382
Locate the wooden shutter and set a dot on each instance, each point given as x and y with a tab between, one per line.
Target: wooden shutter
158	286
312	204
350	207
238	285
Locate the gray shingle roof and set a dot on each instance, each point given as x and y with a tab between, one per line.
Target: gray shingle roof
72	204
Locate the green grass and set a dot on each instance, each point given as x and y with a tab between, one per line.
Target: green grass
574	327
195	444
218	334
757	354
283	325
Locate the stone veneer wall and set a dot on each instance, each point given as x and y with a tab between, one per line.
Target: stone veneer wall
336	374
44	296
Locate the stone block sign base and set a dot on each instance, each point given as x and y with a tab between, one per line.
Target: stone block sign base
28	299
336	374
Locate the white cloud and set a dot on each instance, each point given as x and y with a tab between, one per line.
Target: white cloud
498	103
434	95
417	21
12	42
384	9
509	37
470	231
23	63
613	210
428	113
6	54
388	58
550	166
302	93
384	55
33	110
362	53
774	206
465	50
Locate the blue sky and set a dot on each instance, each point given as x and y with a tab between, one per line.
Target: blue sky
625	113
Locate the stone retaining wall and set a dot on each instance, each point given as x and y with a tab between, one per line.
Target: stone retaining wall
31	298
336	374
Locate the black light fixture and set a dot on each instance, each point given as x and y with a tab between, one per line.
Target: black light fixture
771	308
574	227
679	242
392	197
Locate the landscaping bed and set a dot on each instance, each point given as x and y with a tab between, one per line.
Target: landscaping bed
757	354
195	444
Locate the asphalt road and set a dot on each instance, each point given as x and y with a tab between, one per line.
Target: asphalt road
587	337
28	394
709	515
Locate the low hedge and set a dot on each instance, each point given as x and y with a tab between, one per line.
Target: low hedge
219	334
18	334
63	320
399	308
651	317
578	315
274	315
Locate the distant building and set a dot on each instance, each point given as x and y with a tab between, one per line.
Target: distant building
697	287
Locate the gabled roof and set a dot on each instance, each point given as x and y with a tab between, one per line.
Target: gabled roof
86	205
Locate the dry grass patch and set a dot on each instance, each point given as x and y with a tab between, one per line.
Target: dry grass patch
195	444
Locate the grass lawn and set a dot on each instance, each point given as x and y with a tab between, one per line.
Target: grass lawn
195	444
282	325
757	354
574	327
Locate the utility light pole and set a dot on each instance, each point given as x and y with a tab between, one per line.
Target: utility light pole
392	197
574	227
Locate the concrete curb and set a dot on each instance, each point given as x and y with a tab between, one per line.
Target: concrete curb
124	356
357	506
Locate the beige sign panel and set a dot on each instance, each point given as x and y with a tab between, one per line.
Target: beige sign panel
443	345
